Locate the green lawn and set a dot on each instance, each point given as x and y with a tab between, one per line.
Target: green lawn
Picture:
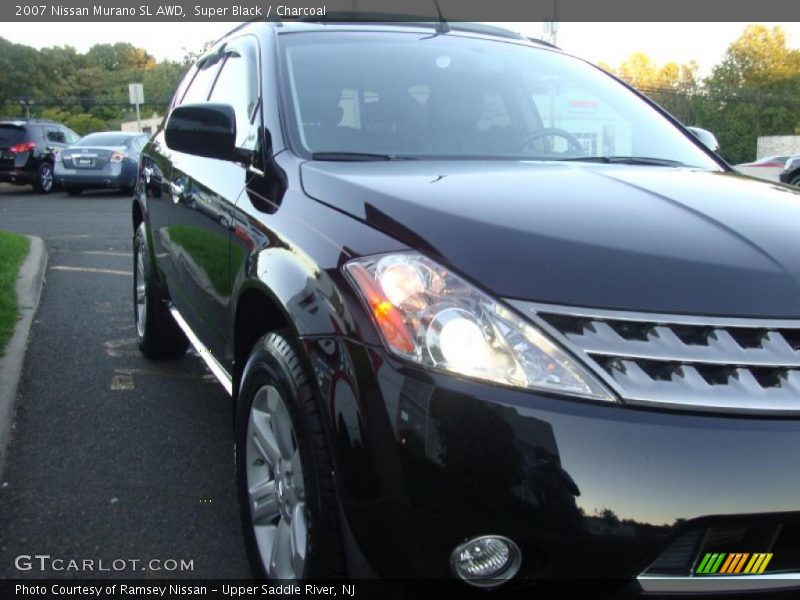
13	250
209	252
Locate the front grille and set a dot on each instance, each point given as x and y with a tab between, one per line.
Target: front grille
776	534
724	364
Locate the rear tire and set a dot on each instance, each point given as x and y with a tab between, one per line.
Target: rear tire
74	190
43	181
156	331
284	468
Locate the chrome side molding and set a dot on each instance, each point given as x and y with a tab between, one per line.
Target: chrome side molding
217	369
665	584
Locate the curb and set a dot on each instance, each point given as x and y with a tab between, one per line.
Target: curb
29	288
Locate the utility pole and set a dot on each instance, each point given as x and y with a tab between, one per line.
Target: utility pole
27	102
551	27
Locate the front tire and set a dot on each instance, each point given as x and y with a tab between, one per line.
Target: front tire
156	331
795	181
284	469
43	181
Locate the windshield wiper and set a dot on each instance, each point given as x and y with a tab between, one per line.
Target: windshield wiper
357	156
627	160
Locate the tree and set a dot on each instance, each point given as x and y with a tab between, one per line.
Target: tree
671	85
89	91
754	91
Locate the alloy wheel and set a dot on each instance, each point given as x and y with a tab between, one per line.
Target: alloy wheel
276	487
46	178
141	291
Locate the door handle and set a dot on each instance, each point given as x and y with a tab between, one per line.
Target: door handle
148	173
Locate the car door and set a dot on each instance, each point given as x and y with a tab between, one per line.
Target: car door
204	193
165	208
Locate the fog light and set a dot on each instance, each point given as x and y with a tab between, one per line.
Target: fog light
486	561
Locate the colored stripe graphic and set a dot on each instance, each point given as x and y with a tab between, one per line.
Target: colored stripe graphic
723	563
734	563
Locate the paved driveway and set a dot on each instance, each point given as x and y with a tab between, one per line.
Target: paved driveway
112	456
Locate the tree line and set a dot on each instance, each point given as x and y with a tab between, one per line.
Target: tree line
753	91
85	91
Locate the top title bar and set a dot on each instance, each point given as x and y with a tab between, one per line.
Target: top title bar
402	10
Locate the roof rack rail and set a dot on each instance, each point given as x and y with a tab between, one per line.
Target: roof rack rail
543	43
410	20
399	19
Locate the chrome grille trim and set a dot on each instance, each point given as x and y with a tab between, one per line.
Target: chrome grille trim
725	364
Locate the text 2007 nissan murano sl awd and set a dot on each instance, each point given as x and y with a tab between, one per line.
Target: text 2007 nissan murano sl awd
485	313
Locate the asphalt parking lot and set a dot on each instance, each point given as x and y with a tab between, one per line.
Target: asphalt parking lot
112	456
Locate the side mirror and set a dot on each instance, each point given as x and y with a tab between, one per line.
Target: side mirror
707	138
203	129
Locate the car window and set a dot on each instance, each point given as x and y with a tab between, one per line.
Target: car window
11	134
139	142
237	85
104	139
450	96
201	84
55	135
71	136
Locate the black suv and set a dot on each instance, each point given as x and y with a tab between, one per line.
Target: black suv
28	149
484	312
791	171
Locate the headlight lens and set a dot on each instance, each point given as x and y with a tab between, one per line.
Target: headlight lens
430	316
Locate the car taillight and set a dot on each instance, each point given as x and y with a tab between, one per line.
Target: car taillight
23	147
117	156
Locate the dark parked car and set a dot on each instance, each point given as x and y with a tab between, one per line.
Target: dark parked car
485	313
28	149
791	171
108	159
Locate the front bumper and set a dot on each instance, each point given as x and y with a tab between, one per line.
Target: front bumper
586	489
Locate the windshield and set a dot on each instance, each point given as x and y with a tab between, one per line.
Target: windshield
104	139
411	95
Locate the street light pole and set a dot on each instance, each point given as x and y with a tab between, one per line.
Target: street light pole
27	102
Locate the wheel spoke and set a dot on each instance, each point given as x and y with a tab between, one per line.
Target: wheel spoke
264	438
281	559
282	427
298	485
265	539
264	502
299	533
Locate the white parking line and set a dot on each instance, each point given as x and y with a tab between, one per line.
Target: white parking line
90	270
105	253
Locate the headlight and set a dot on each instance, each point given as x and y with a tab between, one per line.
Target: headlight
428	315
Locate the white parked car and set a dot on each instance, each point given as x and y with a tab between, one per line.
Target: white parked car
768	168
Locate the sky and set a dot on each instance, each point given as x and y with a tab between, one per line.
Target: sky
608	42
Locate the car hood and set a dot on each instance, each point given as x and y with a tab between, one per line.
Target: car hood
610	236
